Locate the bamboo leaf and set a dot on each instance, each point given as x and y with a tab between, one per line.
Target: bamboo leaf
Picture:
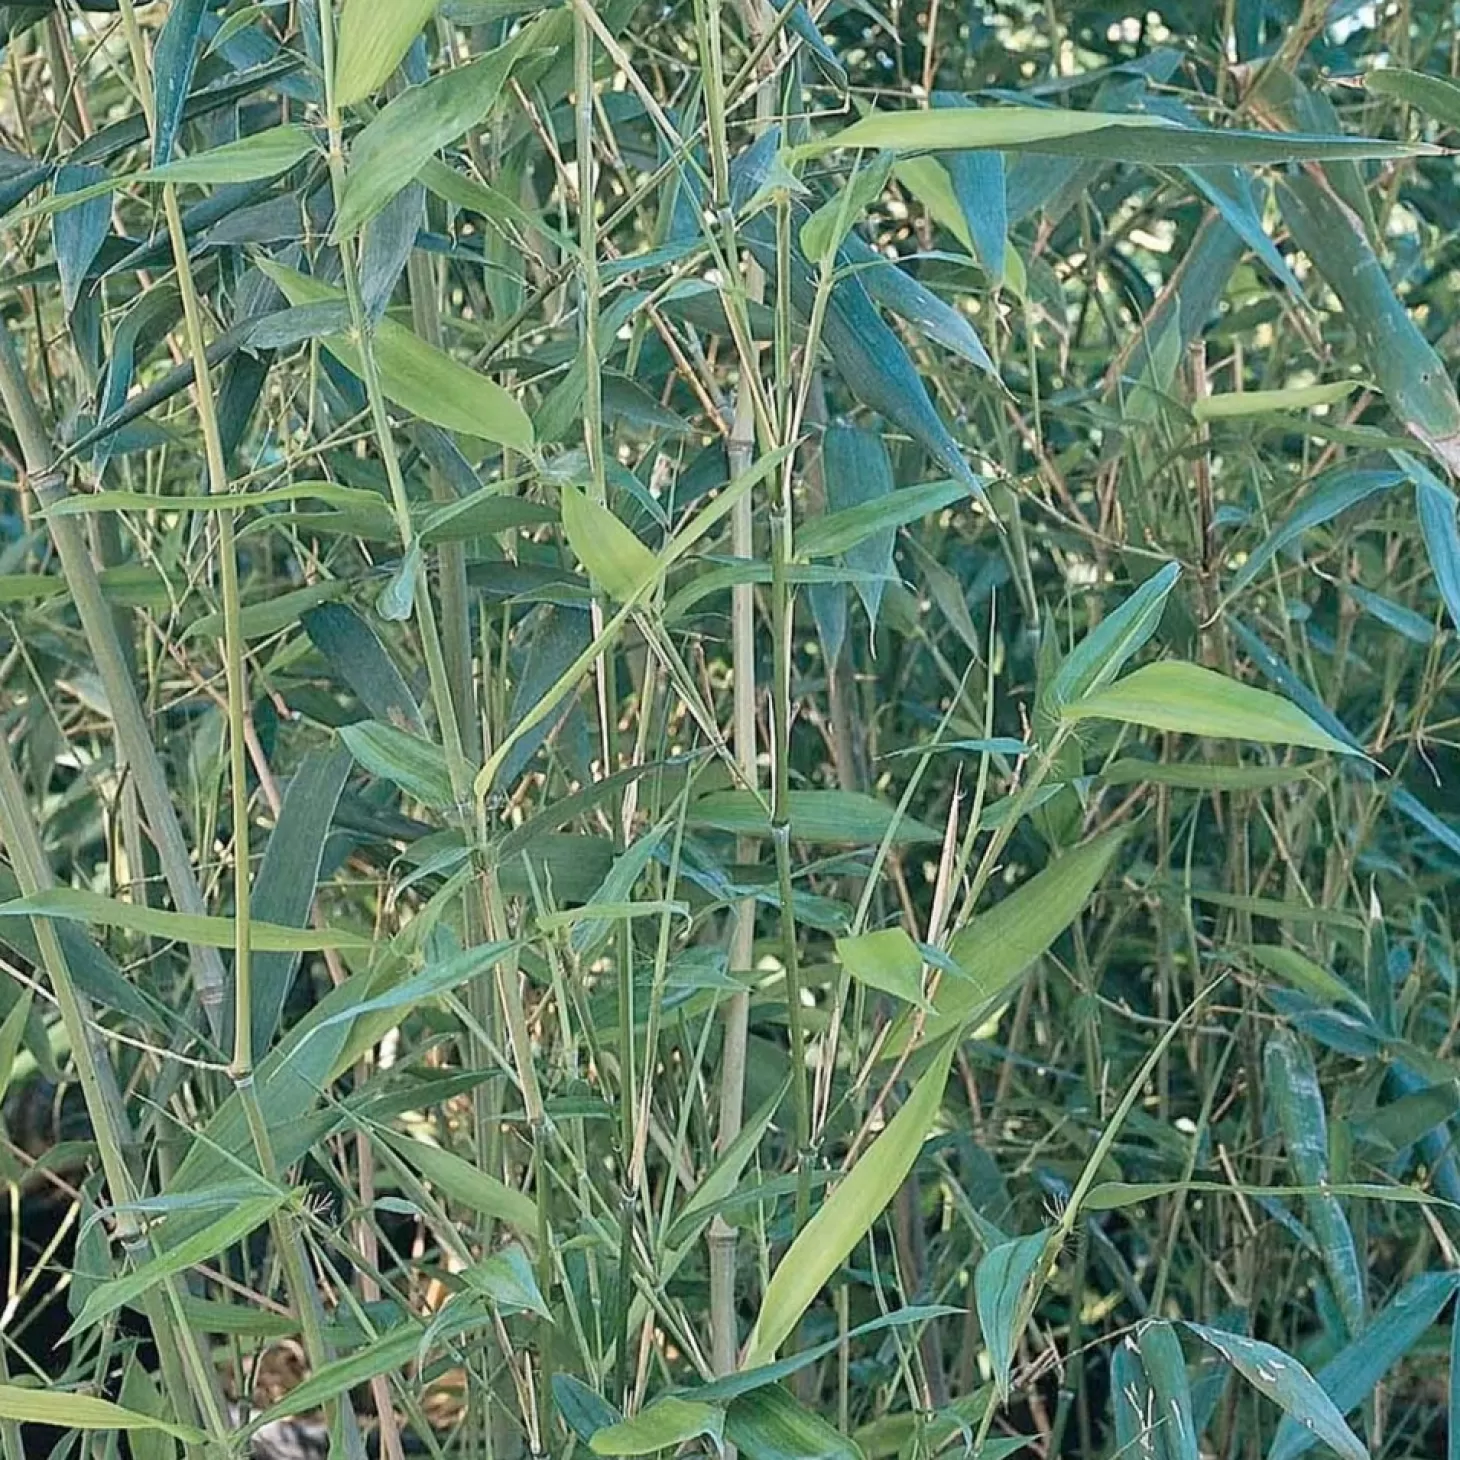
1108	647
173	60
1333	493
1131	137
769	1424
664	1425
1288	1384
1300	971
462	1182
999	1285
607	549
372	40
70	1411
1191	700
410	129
217	1237
1235	405
998	944
887	960
1165	1368
416	376
80	906
359	658
1436	504
838	817
416	765
1436	96
847	1215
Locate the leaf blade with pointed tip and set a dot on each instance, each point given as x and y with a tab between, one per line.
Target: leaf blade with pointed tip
1191	700
664	1425
1288	1384
999	1284
372	40
606	548
847	1215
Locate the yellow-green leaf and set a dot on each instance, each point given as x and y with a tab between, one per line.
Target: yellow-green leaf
888	960
83	1412
847	1215
607	549
416	376
1190	700
79	906
664	1425
461	1181
1231	404
372	39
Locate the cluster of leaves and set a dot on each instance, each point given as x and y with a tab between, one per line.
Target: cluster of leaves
811	608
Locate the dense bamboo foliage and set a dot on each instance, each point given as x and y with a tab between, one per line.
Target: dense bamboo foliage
731	727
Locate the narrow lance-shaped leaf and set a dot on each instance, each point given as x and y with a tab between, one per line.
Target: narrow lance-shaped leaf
606	548
1335	492
409	130
997	945
415	375
1352	1375
1288	1384
1436	96
1119	636
999	1285
1191	700
1132	137
664	1425
172	70
848	1214
1297	1100
371	42
1165	1368
1406	366
1437	525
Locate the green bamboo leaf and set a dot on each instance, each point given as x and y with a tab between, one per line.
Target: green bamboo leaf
173	60
838	817
1437	525
1131	137
769	1424
219	1236
998	944
416	376
410	129
1194	776
842	530
1113	1196
607	549
79	233
416	765
283	891
79	906
361	661
1452	1449
1165	1368
462	1182
664	1425
845	1217
1297	1098
1119	636
69	1411
887	960
1236	405
1409	371
1415	627
723	1177
1000	1282
1191	700
1300	972
1333	493
1137	1424
271	615
1406	1121
253	158
506	1277
1436	96
371	41
84	504
1288	1384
